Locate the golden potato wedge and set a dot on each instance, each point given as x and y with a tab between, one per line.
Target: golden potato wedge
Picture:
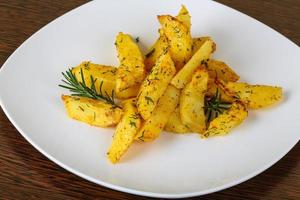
184	16
220	70
160	46
179	37
184	76
125	131
93	112
227	120
175	125
103	75
192	101
154	125
253	96
131	71
155	85
198	42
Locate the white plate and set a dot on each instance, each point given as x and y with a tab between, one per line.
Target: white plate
173	165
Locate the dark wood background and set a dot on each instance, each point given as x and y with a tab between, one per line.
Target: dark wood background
27	174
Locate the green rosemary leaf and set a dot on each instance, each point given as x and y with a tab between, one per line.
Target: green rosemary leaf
100	89
82	77
66	87
213	106
82	90
225	105
93	83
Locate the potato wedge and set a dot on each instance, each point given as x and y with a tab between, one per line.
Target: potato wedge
104	75
253	96
184	16
175	125
192	101
131	71
184	76
227	120
160	46
93	112
155	85
154	125
125	131
179	37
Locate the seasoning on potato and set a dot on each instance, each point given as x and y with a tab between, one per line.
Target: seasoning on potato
125	132
192	102
176	86
93	112
131	72
155	85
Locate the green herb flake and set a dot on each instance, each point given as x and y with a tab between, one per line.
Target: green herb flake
137	39
94	116
142	136
149	100
132	124
81	108
87	65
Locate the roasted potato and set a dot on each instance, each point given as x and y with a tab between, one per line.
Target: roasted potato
174	123
180	40
125	131
157	121
227	120
185	17
253	96
160	46
104	76
184	76
155	85
93	112
131	71
192	102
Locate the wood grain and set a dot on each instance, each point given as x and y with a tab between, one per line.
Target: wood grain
27	174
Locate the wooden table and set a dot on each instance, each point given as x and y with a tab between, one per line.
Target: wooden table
27	174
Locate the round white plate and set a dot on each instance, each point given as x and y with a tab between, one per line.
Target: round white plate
173	165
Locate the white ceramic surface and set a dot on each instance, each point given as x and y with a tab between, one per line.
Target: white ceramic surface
173	165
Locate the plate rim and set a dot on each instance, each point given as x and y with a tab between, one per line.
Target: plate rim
123	188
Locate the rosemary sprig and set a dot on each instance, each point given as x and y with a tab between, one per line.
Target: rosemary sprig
214	106
80	89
